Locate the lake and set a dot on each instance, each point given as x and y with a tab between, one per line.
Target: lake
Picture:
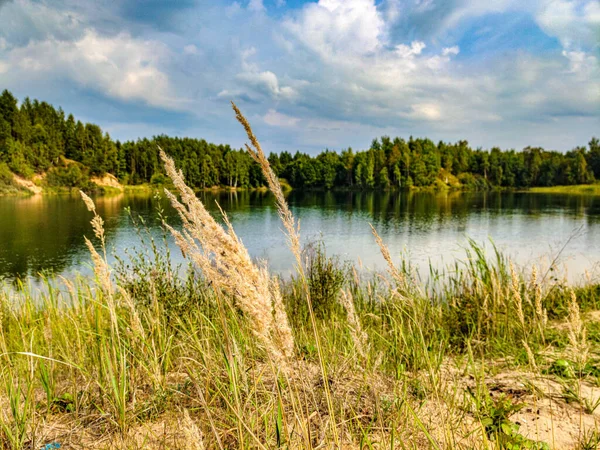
45	233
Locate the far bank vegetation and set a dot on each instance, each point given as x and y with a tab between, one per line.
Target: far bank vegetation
45	145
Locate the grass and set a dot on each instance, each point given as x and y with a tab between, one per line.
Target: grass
581	189
225	355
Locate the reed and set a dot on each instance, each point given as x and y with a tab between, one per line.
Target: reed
226	263
293	234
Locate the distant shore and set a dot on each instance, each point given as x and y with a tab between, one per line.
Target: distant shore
16	190
581	189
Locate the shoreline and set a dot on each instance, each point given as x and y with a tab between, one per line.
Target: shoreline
16	191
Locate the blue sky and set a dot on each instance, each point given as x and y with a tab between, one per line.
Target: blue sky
314	74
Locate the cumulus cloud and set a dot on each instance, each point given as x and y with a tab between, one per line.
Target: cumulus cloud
345	70
257	84
574	22
121	66
277	119
333	27
454	50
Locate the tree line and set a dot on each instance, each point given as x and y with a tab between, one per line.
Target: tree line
36	138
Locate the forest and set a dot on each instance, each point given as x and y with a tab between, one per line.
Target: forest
38	141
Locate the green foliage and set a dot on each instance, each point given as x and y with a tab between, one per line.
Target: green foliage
35	136
71	175
562	368
494	415
590	440
325	277
6	176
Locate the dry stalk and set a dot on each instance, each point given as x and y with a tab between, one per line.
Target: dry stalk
358	335
101	267
516	294
225	262
293	235
396	275
540	311
135	323
193	435
530	356
577	335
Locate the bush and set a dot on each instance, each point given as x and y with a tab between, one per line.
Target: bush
158	179
325	276
6	176
70	176
19	165
472	182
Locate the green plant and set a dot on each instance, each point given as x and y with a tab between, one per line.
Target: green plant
15	426
590	440
561	368
494	415
325	277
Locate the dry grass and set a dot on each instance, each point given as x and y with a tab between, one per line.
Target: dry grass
221	359
226	263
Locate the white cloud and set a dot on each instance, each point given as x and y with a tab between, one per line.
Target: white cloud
345	70
331	27
425	111
277	119
267	83
258	83
451	50
121	66
191	49
256	5
574	22
415	48
580	62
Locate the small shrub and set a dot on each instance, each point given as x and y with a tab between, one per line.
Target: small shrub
6	176
158	179
494	414
325	279
69	176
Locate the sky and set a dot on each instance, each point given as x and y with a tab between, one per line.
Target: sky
311	75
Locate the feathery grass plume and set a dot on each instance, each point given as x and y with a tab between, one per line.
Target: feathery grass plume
193	435
70	287
530	355
97	222
516	294
540	311
282	327
291	227
358	335
293	234
397	276
101	267
223	259
135	322
577	332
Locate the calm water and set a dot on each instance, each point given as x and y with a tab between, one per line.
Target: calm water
46	233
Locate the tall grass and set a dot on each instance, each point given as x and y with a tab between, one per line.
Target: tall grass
225	355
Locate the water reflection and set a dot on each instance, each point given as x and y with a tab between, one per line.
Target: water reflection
46	232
